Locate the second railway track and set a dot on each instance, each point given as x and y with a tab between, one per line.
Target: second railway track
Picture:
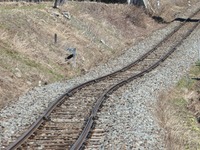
67	122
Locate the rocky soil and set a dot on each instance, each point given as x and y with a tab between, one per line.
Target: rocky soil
130	122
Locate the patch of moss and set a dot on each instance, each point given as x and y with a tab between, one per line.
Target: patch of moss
30	63
193	124
56	75
180	102
186	82
11	53
189	123
37	6
3	26
195	70
34	64
185	115
23	7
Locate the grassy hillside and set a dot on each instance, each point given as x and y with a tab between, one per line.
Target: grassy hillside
29	55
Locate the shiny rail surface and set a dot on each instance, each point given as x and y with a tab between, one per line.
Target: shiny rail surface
61	124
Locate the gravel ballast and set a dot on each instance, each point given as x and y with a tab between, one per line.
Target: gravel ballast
130	121
136	96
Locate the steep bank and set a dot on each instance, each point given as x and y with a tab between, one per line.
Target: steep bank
29	57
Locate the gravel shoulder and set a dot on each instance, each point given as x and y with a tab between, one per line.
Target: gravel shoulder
130	122
27	109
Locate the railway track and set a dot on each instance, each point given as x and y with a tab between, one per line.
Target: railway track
68	121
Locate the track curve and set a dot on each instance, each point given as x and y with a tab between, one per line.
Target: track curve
78	101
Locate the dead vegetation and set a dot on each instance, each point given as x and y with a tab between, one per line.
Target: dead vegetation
29	57
178	111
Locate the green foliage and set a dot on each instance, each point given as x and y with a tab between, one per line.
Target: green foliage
17	57
193	124
180	102
186	82
198	63
188	121
195	70
183	113
22	7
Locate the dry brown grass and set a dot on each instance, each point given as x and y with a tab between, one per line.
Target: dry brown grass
122	21
123	17
180	124
99	32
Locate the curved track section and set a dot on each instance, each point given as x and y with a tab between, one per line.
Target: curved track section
68	121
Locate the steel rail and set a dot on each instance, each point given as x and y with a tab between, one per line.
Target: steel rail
70	92
82	138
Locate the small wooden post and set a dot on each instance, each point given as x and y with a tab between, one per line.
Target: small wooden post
55	38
